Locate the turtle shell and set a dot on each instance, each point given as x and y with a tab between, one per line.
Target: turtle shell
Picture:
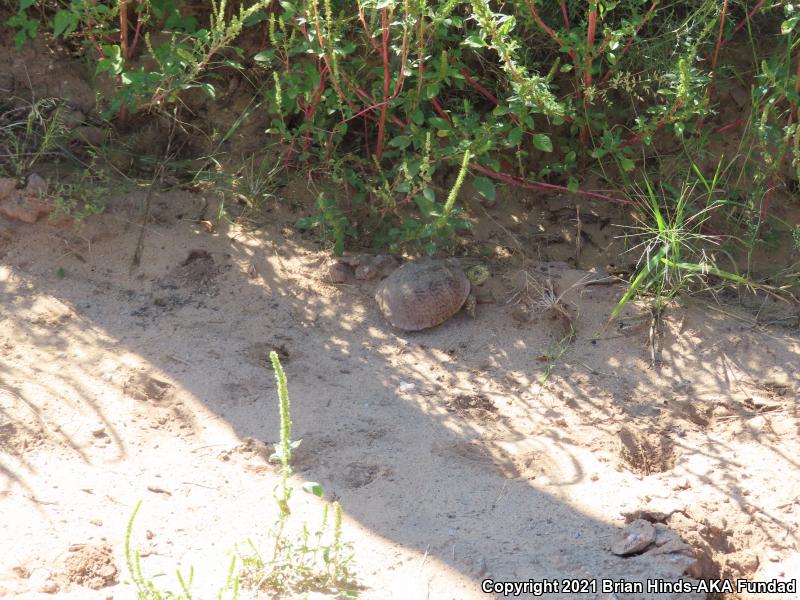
422	294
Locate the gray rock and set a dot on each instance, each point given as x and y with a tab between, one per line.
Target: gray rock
634	538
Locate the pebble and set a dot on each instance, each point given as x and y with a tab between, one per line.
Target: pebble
406	387
633	538
522	313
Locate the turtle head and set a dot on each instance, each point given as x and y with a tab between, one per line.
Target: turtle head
477	274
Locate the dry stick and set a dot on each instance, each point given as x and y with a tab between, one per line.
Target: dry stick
137	254
541	186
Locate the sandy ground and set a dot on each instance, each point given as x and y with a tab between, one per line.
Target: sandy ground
452	460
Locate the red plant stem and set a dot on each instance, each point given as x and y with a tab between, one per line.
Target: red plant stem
541	186
564	13
794	113
440	111
398	84
124	49
629	43
477	86
604	45
365	96
386	83
744	23
403	57
715	58
90	32
123	29
137	35
731	125
363	20
288	156
587	69
311	108
547	30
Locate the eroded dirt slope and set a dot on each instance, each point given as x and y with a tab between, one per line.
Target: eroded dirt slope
451	458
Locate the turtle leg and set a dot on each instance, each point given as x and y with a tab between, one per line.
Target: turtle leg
470	305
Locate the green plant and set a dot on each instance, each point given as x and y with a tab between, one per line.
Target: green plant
387	98
82	197
310	559
671	239
146	587
28	133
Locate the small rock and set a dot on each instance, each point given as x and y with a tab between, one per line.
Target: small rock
634	538
721	411
351	260
373	267
339	272
406	387
71	118
366	271
94	136
36	186
49	587
26	205
757	423
784	570
522	313
385	264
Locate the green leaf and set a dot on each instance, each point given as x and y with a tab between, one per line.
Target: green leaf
431	91
628	165
515	136
474	41
401	141
485	187
542	142
418	116
209	90
264	56
573	184
313	487
64	22
113	62
25	4
789	24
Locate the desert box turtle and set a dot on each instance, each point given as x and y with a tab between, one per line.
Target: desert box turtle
426	292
